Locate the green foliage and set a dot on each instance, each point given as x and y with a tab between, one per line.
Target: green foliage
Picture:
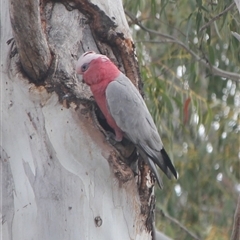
196	111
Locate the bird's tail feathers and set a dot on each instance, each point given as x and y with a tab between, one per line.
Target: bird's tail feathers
155	171
168	164
152	166
161	161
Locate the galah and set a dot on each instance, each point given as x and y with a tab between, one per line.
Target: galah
125	110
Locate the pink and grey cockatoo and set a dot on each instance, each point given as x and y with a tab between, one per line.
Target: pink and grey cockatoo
125	110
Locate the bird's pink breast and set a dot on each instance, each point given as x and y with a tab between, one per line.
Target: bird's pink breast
99	93
100	73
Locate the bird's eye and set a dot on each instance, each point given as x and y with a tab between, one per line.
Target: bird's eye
84	67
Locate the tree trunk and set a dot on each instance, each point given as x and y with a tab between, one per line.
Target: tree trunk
61	177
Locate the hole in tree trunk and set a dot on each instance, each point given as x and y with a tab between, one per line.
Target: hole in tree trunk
102	120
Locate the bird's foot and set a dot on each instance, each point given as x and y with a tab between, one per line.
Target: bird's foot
111	138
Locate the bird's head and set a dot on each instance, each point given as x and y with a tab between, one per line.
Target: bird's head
96	68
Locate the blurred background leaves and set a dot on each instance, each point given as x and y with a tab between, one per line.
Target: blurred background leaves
190	68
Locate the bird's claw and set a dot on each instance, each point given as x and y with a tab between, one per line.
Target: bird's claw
110	137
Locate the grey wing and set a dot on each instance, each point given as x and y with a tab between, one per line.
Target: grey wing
130	112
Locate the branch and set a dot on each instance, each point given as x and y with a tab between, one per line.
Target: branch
216	17
175	221
237	4
34	53
236	35
137	22
161	236
236	222
169	39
